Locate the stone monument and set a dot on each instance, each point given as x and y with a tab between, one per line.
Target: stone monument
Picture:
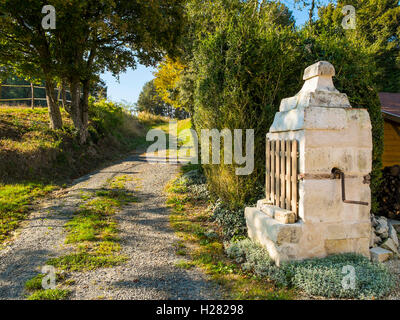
334	161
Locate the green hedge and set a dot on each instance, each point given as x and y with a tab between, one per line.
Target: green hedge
241	70
247	64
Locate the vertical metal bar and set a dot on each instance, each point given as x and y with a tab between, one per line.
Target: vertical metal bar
282	177
343	187
288	170
344	193
268	171
294	177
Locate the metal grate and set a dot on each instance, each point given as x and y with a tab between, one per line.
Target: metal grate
281	170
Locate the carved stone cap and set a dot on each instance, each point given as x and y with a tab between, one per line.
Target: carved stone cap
318	90
321	68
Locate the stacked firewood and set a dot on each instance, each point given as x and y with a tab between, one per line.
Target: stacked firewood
389	197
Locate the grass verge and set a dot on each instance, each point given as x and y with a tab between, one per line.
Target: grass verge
94	232
202	245
36	292
15	201
93	235
245	270
50	294
34	160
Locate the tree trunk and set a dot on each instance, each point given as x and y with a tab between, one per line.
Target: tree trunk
79	109
85	111
311	13
64	94
54	110
58	92
75	104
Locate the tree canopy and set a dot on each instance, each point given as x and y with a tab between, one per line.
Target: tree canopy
90	37
149	101
377	31
240	58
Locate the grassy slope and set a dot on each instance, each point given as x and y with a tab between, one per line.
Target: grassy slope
35	160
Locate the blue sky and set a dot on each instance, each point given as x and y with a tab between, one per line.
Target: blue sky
130	84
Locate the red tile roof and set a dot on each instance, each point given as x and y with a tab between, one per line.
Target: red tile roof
390	103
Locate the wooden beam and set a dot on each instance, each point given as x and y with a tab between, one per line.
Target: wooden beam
32	96
268	171
282	179
294	177
288	174
272	196
277	173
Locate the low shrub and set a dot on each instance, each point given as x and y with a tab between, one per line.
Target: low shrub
254	258
199	192
323	277
317	277
194	182
108	118
193	177
232	221
150	119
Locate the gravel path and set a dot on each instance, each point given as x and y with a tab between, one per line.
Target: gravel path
146	238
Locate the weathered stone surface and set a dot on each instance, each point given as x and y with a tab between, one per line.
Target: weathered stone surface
382	228
371	239
380	254
265	206
353	160
340	230
260	225
374	222
320	68
330	135
309	118
389	245
356	245
285	216
326	194
374	239
352	135
393	235
318	90
358	118
280	215
395	224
